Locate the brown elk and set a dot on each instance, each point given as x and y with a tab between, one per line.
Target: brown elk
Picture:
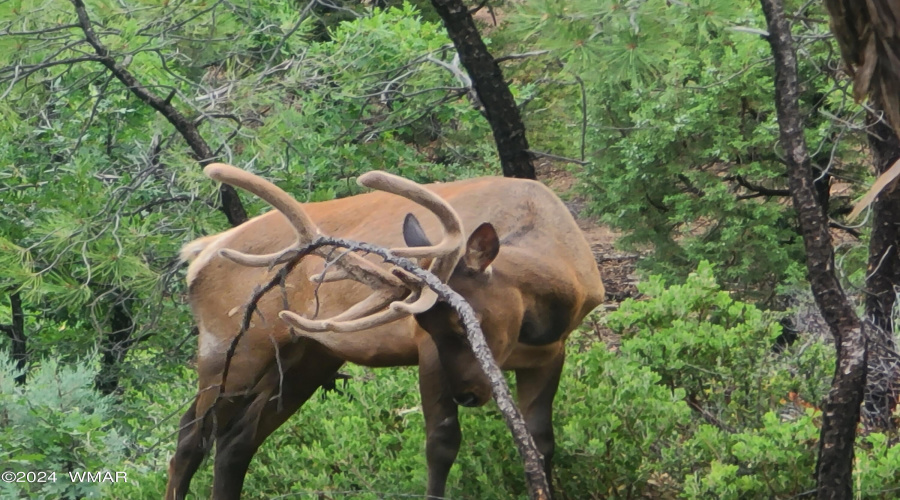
526	270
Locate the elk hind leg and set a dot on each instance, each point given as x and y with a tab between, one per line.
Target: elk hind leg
536	389
236	444
193	445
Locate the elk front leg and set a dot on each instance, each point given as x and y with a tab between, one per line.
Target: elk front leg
536	389
442	430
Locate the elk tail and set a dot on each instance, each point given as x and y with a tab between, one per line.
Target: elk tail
192	249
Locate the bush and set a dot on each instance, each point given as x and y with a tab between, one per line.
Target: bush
615	420
57	423
698	338
695	404
753	432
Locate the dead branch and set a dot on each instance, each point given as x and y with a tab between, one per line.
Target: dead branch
537	481
550	156
759	190
523	55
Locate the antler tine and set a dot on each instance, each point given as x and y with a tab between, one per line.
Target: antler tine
344	323
446	253
370	305
272	194
261	260
359	268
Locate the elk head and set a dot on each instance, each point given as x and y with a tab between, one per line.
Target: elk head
471	277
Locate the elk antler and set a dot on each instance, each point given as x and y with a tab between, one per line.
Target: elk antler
382	306
355	266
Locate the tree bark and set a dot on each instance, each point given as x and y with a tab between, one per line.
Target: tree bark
487	80
834	470
882	283
231	202
16	333
114	346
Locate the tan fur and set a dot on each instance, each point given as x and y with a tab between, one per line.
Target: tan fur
544	273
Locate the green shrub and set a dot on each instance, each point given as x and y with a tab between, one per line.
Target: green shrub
614	421
776	460
698	338
747	437
56	423
877	463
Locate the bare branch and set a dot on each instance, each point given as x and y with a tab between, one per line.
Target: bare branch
760	190
43	31
523	55
534	469
550	156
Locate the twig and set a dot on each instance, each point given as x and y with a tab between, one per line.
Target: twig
523	55
760	190
540	154
583	114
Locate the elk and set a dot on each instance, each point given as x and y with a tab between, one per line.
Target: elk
525	268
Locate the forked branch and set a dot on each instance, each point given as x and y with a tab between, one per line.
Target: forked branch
537	481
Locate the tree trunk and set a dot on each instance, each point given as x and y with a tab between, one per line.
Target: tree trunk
114	346
487	80
834	471
16	333
882	283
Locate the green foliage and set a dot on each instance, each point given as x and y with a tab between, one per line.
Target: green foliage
57	423
754	427
718	350
699	338
98	192
614	421
680	128
773	460
876	466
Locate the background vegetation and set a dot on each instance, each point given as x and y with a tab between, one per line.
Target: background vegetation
666	113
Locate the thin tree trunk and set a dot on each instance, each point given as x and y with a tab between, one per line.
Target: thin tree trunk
834	471
16	333
882	283
487	80
114	346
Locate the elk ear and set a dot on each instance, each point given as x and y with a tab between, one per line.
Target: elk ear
482	248
413	234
